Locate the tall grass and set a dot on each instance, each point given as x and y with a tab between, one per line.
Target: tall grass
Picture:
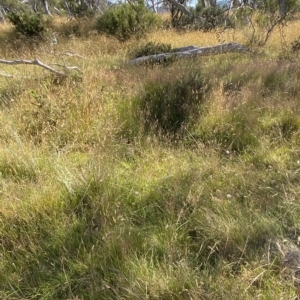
101	197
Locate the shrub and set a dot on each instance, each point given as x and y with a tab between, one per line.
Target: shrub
27	23
211	17
180	20
202	18
127	20
167	106
80	9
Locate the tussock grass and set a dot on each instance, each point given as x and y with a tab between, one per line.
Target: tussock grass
95	205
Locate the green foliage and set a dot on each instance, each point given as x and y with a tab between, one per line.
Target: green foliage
211	17
262	21
41	118
150	48
166	105
80	9
169	103
242	16
18	170
283	126
268	6
125	21
28	23
86	214
232	132
178	18
202	18
271	6
12	5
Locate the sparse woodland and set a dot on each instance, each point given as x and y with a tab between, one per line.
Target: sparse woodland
169	179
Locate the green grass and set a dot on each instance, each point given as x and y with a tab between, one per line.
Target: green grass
104	195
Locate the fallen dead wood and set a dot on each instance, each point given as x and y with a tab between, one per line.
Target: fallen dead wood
191	51
6	75
37	62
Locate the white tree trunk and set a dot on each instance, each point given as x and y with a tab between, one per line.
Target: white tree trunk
2	18
46	6
180	7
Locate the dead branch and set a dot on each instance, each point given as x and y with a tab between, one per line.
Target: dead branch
37	62
68	68
31	62
191	51
65	65
71	54
6	75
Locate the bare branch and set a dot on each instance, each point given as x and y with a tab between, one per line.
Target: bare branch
37	62
6	75
71	54
31	62
68	68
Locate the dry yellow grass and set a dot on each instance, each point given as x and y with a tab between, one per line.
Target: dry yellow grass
177	39
92	213
99	46
281	35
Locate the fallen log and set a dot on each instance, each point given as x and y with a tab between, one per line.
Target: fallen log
190	51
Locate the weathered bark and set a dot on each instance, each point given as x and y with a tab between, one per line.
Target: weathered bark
191	51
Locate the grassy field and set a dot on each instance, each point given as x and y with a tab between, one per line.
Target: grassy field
150	182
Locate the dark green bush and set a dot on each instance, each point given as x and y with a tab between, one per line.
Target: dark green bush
28	23
150	48
127	20
167	106
80	9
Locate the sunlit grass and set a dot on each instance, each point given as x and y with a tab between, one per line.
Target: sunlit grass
93	206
